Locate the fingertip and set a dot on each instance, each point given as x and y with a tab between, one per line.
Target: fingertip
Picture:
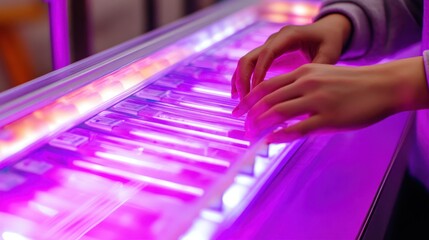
257	78
242	94
234	93
306	127
252	135
238	111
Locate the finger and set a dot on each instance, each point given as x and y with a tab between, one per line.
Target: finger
296	131
280	136
234	93
307	126
280	95
274	48
265	59
244	70
277	115
262	90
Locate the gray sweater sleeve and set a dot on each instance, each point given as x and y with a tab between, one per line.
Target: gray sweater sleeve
380	27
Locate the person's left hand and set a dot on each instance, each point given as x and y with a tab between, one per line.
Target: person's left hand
333	97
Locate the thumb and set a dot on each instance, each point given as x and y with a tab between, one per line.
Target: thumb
322	59
298	130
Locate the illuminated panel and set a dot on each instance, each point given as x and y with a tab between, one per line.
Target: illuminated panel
212	92
127	174
17	135
170	148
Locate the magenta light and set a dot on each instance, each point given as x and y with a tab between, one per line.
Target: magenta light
129	175
147	162
189	122
167	139
13	236
205	107
201	134
212	92
198	158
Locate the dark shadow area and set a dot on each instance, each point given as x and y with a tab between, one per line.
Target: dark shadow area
410	218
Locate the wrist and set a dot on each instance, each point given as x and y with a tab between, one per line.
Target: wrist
406	84
339	24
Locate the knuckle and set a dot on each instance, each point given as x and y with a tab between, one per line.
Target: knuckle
244	60
291	30
271	37
306	68
288	28
309	83
267	51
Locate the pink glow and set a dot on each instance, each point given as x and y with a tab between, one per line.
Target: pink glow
148	162
167	139
191	123
43	209
129	175
198	158
212	92
301	10
205	107
13	236
233	196
296	8
201	134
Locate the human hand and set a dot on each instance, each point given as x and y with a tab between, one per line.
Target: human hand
333	98
320	42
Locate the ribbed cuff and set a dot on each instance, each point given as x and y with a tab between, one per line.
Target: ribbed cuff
360	39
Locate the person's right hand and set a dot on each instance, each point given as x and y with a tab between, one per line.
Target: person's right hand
328	98
320	42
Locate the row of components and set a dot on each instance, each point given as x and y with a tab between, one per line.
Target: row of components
133	169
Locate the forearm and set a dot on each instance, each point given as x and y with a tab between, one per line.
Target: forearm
403	83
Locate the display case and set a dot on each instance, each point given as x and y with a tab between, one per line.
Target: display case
138	142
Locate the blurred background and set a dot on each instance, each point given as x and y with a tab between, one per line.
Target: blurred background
25	39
